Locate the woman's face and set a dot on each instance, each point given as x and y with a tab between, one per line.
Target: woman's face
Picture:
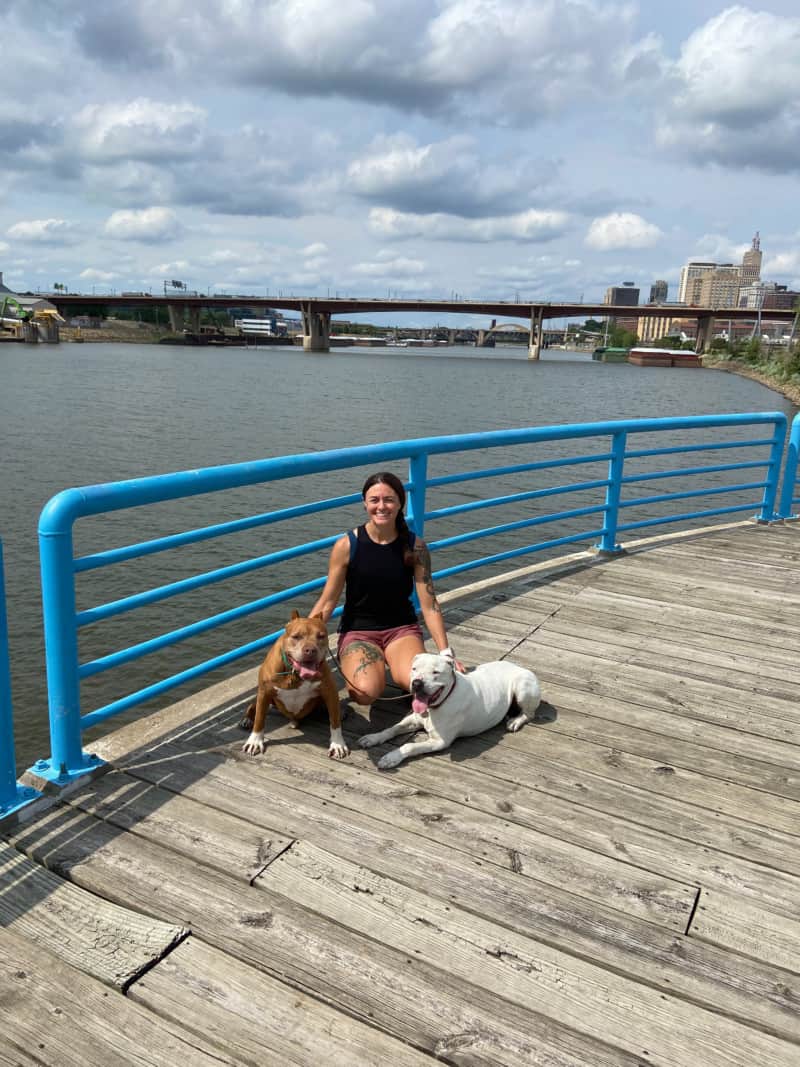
382	505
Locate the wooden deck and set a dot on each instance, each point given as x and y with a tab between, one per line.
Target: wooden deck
618	884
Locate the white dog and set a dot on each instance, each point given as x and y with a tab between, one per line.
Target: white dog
448	705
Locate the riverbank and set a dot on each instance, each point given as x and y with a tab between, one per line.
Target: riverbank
791	390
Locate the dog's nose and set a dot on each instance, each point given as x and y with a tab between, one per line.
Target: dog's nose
417	685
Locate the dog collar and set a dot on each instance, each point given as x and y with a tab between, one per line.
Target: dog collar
447	694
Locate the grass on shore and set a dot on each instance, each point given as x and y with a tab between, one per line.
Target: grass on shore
777	368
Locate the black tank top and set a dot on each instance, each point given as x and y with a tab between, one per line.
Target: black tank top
378	587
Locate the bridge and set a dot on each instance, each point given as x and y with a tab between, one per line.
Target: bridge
316	312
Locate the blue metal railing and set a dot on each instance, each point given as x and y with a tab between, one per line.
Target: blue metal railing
12	795
790	494
600	523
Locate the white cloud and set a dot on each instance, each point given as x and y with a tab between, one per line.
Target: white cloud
149	224
447	176
524	226
398	267
621	229
318	248
737	86
718	248
140	129
47	231
92	274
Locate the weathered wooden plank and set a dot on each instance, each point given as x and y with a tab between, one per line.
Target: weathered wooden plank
680	697
589	872
53	1015
664	851
771	765
721	814
742	926
580	995
674	651
670	675
292	943
752	577
241	848
776	643
109	942
743	988
673	590
710	751
250	1014
515	773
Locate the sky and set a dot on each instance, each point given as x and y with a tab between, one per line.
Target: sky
495	149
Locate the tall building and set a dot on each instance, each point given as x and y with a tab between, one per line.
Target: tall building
710	284
719	288
751	263
626	294
691	281
658	292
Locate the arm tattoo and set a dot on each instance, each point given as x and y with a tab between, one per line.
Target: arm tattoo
424	559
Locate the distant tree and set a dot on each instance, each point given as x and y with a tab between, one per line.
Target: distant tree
670	341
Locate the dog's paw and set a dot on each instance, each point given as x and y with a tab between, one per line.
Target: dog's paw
245	723
512	725
254	745
338	751
368	740
391	759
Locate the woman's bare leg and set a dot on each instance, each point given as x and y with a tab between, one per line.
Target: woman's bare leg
399	654
364	670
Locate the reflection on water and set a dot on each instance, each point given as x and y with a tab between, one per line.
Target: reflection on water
82	414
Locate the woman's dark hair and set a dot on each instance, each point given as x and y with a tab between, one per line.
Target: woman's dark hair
394	483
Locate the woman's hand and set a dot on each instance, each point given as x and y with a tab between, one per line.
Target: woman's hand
459	666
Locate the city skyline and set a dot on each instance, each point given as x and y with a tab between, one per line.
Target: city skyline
472	148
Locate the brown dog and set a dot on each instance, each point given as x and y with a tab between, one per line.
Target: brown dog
296	678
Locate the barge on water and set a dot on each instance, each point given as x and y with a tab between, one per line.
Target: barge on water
663	357
605	354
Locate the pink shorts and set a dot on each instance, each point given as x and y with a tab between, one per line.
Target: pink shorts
381	638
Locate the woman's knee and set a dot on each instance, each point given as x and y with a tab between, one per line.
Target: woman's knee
365	675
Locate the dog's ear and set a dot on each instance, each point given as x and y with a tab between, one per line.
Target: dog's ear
295	615
318	616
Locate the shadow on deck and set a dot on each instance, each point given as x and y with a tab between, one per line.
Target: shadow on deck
617	884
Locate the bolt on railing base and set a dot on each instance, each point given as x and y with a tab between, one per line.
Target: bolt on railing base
45	776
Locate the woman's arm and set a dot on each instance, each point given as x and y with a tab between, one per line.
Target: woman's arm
431	611
337	573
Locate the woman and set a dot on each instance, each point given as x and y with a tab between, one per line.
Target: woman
378	565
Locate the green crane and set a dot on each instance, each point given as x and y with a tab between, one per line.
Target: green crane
22	314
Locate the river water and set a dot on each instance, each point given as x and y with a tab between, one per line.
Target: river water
81	414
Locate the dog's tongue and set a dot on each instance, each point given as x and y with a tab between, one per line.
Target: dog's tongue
305	670
420	707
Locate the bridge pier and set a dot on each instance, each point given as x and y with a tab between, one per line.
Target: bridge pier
316	329
703	342
177	317
194	320
537	332
484	338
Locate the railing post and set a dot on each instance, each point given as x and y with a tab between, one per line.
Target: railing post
12	795
67	759
768	513
613	490
418	481
790	470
